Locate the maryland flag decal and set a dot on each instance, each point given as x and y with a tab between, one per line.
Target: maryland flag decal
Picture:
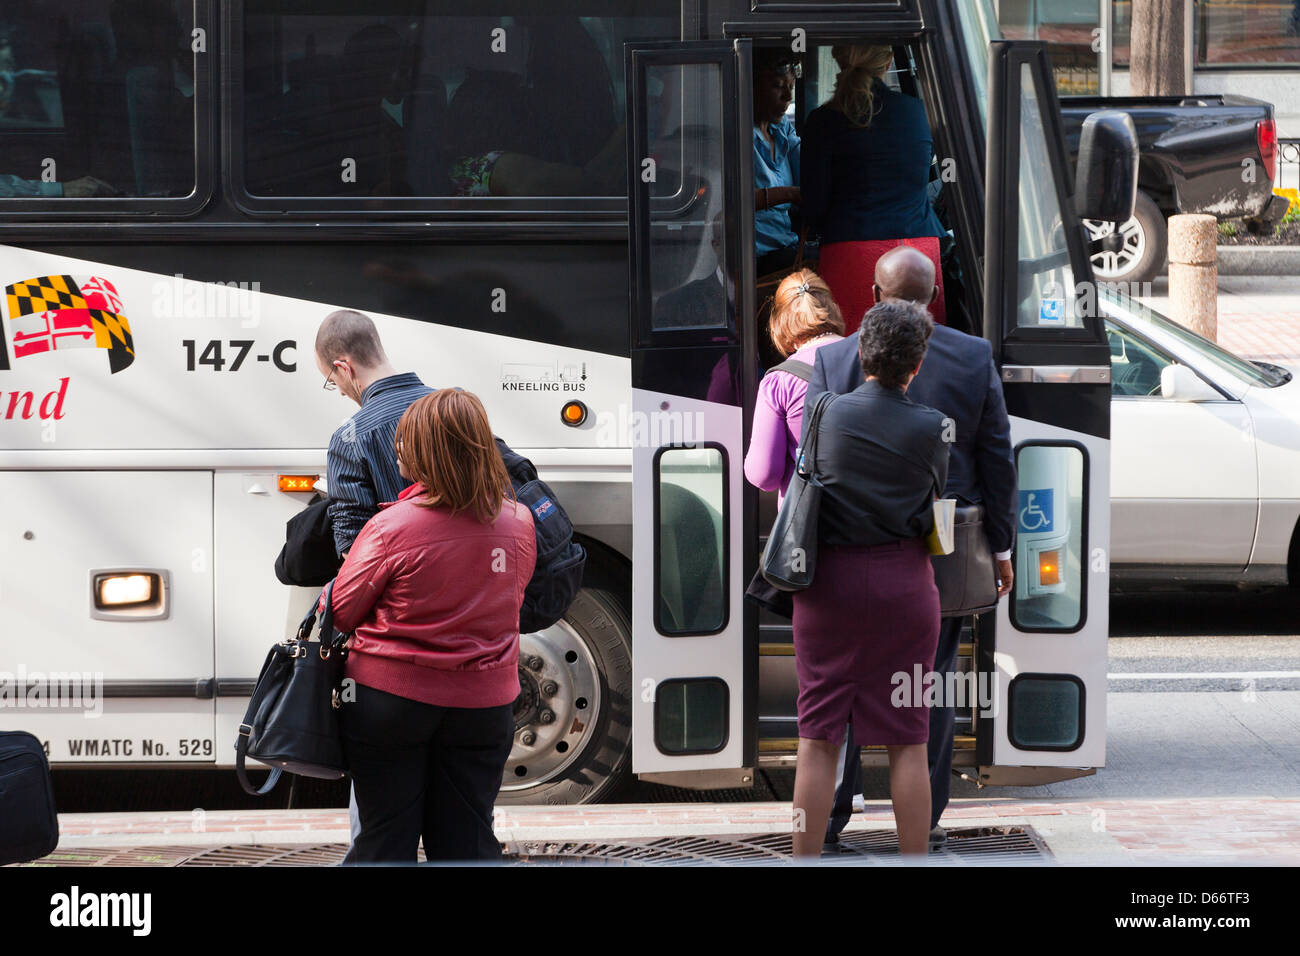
63	312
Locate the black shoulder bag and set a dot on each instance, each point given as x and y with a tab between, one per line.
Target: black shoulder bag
292	720
790	556
759	591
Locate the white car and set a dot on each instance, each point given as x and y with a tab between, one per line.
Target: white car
1205	458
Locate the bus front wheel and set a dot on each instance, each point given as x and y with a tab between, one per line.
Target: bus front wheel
573	716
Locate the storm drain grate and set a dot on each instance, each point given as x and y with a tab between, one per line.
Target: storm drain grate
972	846
975	845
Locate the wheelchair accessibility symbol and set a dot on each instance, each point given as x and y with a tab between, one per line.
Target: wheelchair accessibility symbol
1036	511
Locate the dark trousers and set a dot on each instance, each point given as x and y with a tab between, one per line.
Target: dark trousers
421	770
939	748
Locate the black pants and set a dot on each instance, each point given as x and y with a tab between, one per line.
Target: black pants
939	747
421	770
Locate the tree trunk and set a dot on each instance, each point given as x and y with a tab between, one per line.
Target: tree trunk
1156	49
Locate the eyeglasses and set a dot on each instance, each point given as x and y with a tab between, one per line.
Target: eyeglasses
330	384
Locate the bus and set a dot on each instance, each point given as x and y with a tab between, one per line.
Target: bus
512	195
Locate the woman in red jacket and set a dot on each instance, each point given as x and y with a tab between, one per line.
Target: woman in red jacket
431	592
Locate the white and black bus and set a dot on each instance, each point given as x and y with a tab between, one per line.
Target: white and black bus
188	188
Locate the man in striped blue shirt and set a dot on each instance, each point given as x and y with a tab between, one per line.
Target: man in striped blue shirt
361	467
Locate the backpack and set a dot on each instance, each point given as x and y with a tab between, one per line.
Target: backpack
560	560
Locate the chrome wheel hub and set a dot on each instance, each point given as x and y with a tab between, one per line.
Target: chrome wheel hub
1113	265
558	701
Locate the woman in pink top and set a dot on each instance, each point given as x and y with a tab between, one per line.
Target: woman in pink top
804	318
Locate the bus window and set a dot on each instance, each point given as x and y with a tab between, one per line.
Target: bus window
96	100
1046	711
434	104
1047	292
1050	538
690	488
691	715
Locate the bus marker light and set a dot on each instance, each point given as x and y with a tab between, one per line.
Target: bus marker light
118	590
298	482
1049	567
573	413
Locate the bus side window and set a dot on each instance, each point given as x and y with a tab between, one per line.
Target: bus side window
95	106
472	106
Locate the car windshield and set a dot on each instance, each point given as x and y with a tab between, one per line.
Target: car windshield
1254	373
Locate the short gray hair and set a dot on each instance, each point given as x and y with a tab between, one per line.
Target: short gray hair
349	333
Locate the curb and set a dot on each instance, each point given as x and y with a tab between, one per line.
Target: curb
1259	260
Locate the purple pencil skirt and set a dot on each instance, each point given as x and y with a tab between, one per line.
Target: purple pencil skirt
870	614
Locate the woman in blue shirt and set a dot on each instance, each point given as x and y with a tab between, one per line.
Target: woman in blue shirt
776	161
865	173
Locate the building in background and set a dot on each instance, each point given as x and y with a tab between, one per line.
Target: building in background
1244	47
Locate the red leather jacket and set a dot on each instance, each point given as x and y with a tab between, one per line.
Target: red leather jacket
432	601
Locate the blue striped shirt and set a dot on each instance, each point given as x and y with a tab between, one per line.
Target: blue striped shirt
361	468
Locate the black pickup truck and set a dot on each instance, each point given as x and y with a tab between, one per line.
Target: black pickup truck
1208	154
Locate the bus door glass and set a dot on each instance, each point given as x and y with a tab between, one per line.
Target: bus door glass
693	371
1047	654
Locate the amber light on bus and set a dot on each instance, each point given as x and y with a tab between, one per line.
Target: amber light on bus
126	590
298	482
573	413
1049	567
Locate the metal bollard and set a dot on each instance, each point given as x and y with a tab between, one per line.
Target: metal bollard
1194	273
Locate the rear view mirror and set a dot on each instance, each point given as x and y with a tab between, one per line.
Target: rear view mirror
1106	176
1180	383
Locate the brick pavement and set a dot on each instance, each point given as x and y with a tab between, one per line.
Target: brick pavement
1259	316
1133	831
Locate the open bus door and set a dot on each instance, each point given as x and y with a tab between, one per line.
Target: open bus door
694	661
1046	654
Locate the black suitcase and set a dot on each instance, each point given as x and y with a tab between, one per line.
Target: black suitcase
29	828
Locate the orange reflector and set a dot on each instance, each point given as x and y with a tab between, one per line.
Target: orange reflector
573	413
1049	567
298	482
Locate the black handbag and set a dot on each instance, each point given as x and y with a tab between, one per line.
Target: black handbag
790	556
292	719
759	591
780	603
308	558
29	826
967	579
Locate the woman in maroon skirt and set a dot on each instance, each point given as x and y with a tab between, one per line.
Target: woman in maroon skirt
872	612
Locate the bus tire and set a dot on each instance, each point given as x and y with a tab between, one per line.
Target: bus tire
582	753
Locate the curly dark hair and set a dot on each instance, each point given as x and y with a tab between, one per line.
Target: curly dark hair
893	340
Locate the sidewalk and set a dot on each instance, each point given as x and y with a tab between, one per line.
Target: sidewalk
1259	316
1125	832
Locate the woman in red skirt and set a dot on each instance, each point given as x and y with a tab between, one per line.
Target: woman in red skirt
872	611
865	169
